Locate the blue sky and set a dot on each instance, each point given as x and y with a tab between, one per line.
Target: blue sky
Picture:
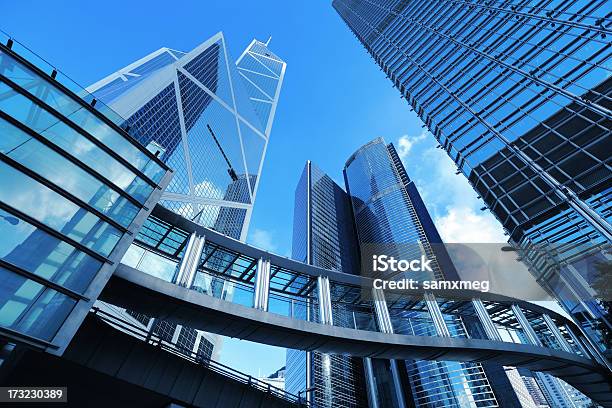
334	100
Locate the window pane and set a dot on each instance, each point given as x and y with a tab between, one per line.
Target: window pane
48	93
33	250
31	153
16	294
30	308
47	314
50	208
65	137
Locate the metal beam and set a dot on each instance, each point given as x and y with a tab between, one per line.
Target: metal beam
262	285
381	311
325	306
557	334
485	320
532	337
436	315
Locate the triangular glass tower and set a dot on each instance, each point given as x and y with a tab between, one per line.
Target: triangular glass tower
207	118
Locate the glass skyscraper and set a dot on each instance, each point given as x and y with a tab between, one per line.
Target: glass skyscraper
389	210
324	236
381	205
519	96
209	119
75	188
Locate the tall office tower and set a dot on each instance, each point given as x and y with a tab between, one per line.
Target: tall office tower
519	96
388	210
75	190
324	236
207	118
526	389
560	394
210	120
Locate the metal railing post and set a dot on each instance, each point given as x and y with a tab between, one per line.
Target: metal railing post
189	263
370	382
325	306
383	318
381	311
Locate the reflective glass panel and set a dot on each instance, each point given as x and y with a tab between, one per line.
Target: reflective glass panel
45	205
19	146
33	250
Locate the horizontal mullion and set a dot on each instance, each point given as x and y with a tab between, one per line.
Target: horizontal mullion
81	102
23	338
77	128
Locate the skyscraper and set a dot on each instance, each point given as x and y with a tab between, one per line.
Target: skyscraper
388	210
210	120
518	95
324	236
207	118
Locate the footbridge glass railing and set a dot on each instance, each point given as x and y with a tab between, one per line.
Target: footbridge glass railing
202	260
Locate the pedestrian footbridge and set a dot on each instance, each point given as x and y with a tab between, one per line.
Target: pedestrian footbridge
190	275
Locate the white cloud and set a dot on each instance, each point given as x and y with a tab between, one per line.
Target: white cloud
262	239
451	200
405	144
208	189
463	224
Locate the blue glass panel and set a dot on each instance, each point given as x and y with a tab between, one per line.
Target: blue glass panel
39	87
30	308
31	153
52	209
35	251
71	141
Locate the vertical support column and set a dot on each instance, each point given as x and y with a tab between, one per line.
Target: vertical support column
383	319
189	263
532	337
436	315
371	390
262	285
325	306
485	320
565	346
381	311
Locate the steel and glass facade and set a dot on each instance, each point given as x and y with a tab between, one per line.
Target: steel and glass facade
75	189
324	236
518	94
206	117
389	210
